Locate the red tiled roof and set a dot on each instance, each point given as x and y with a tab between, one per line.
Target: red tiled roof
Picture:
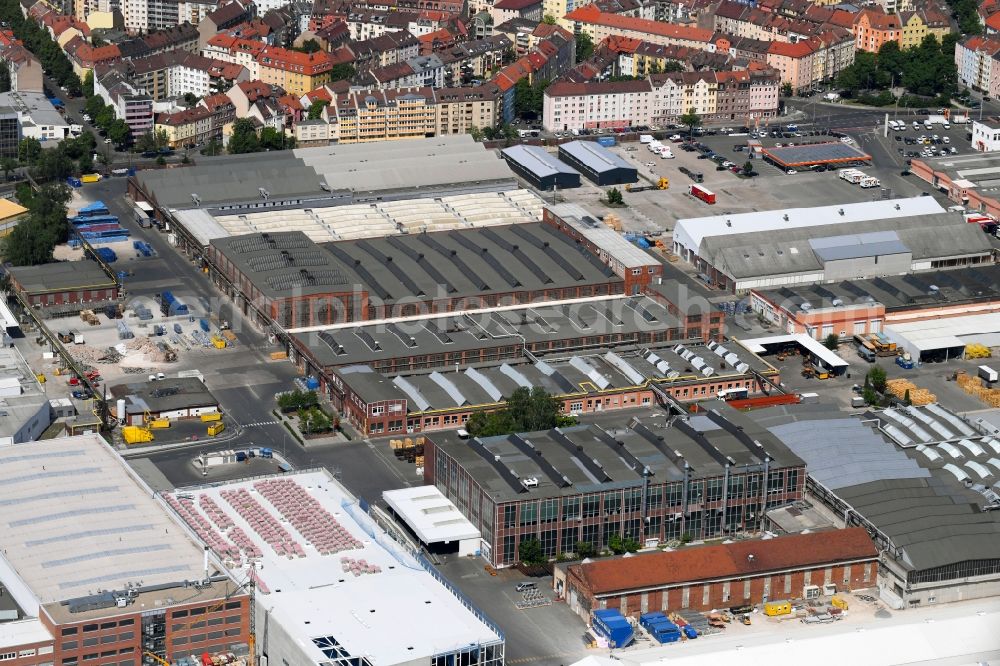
591	14
515	5
306	63
993	22
567	89
622	44
796	50
743	558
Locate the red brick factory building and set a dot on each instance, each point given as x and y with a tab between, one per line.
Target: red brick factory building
708	577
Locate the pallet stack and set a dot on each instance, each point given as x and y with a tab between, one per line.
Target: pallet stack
974	386
918	396
409	449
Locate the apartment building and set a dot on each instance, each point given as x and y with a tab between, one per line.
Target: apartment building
415	72
197	125
387	115
85	57
295	71
235	50
805	64
505	10
661	99
384	50
131	103
146	15
600	25
976	59
22	66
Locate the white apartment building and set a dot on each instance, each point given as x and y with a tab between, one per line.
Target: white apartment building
182	78
986	135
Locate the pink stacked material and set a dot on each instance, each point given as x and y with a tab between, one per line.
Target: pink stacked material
308	516
241	539
186	510
263	523
215	512
358	567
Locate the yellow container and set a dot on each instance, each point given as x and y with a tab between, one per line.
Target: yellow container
90	178
279	356
212	416
837	602
40	378
216	428
774	608
218	342
159	423
136	435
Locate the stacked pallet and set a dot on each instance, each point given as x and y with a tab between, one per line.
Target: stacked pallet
976	350
918	396
974	386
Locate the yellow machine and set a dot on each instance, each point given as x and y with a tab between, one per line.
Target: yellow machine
775	608
218	343
212	416
90	178
838	602
157	658
40	378
216	428
136	435
158	423
661	184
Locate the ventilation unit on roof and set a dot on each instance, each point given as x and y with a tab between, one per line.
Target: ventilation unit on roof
264	194
933	288
841	211
837	302
531	482
805	305
729	223
785	217
196	199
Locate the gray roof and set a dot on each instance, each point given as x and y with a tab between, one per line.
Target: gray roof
165	395
595	156
427	266
856	246
61	276
602	463
296	177
537	160
576	373
760	253
898	292
817	153
623	317
904	492
603	237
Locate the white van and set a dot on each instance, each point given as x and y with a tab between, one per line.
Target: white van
916	125
666	153
645	138
928	124
946	125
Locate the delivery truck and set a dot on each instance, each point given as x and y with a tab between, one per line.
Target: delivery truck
988	374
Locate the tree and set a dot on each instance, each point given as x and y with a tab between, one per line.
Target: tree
672	66
8	165
33	240
786	89
161	160
86	163
616	545
524	411
906	398
94	106
615	197
584	549
5	82
869	395
748	168
876	378
146	143
119	132
690	119
244	138
529	551
162	138
549	19
272	139
342	72
212	148
832	341
316	109
309	46
88	83
28	150
476	133
584	47
52	165
104	118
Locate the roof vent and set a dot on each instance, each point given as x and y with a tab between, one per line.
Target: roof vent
897	207
785	216
729	223
841	211
750	558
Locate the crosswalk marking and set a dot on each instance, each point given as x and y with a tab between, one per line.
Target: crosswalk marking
259	424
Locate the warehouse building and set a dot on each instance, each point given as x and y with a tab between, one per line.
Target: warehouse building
653	480
968	180
540	168
331	586
287	279
171	398
921	480
832	155
306	179
26	409
11	215
828	244
597	163
584	382
944	339
433	519
849	308
63	287
703	578
102	572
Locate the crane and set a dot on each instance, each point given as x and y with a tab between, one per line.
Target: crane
157	658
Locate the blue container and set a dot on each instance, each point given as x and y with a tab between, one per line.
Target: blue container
204	325
606	141
241	456
106	254
610	624
74	182
266	453
312	383
642	242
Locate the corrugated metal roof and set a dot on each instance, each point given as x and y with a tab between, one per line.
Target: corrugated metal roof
595	156
537	160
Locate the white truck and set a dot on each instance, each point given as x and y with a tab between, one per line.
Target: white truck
869	181
645	138
988	374
852	176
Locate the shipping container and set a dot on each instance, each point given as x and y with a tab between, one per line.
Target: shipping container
170	305
216	428
610	624
703	193
606	141
211	416
775	608
988	374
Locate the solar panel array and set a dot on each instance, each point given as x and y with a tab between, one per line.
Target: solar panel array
304	279
260	242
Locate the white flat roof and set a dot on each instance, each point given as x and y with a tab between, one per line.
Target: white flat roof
389	609
23	632
430	514
602	236
691	232
7	317
201	224
944	333
76	520
756	345
958	635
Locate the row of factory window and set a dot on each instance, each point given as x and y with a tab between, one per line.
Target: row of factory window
211	622
199	638
230	605
91	642
92	656
70	631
